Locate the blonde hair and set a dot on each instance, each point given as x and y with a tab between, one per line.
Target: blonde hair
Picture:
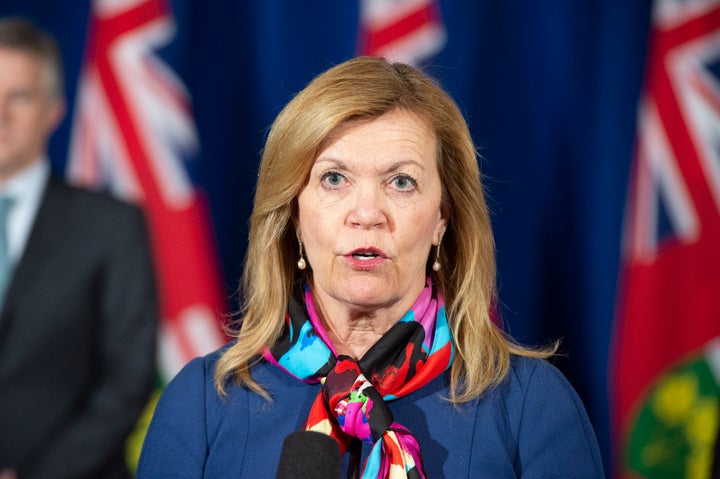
360	89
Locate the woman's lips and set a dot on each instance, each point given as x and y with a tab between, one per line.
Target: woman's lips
365	259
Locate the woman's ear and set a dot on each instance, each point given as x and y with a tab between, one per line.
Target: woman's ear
439	231
296	226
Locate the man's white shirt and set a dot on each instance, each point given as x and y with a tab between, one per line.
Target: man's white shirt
26	189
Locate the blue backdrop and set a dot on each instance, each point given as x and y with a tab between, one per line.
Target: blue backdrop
549	89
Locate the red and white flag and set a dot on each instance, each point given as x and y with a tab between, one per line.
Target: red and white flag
132	130
666	371
407	31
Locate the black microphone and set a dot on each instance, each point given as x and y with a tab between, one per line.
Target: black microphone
309	455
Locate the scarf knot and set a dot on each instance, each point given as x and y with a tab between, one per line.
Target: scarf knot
358	407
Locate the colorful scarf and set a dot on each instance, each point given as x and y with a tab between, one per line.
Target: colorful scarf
353	400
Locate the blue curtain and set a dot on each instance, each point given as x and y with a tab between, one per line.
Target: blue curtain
550	92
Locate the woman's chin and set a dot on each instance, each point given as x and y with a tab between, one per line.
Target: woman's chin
368	294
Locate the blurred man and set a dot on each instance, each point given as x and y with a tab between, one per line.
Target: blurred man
77	293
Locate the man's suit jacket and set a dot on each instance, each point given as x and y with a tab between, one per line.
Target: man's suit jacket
77	338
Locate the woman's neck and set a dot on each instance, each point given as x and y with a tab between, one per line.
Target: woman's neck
354	329
355	336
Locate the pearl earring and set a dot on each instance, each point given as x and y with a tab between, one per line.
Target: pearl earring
436	265
301	264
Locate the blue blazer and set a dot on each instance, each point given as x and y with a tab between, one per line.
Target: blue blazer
533	425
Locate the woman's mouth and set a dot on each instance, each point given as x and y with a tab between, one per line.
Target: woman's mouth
364	256
365	259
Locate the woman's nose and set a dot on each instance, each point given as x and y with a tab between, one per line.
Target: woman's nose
367	208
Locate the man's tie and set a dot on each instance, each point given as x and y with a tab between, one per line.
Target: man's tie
5	266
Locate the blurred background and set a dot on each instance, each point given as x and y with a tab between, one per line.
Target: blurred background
550	90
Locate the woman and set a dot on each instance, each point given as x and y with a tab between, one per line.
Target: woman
367	288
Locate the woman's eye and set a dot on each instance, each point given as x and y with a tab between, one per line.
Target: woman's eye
332	178
404	182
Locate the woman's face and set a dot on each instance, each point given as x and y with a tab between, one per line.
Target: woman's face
370	213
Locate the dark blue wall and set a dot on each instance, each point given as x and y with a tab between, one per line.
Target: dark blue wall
549	90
